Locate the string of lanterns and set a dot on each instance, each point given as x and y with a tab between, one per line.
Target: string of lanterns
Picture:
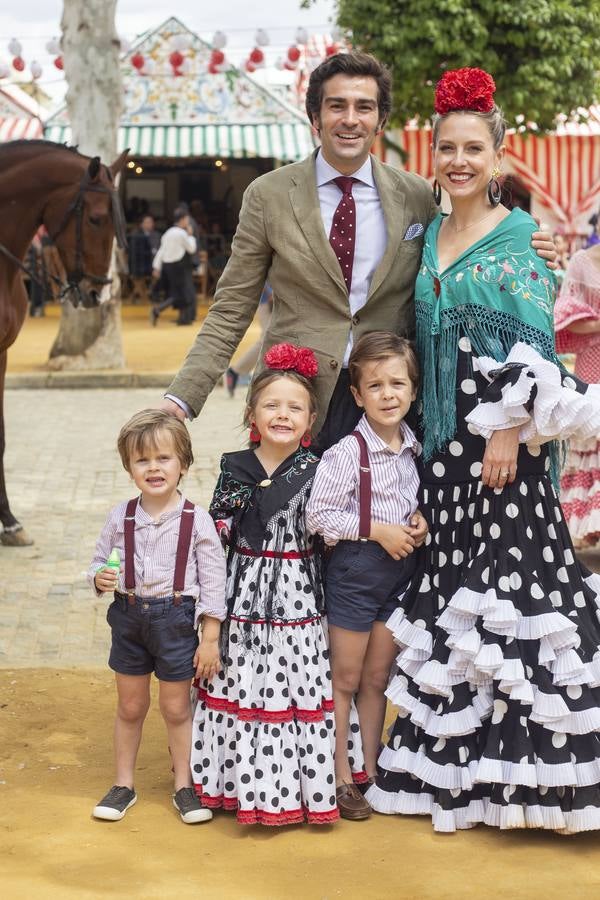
179	63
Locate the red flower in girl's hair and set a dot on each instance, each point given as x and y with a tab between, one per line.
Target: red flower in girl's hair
288	357
465	89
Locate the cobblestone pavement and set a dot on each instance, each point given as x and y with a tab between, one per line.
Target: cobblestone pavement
64	473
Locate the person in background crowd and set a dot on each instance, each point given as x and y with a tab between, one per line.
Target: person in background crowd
143	247
173	263
594	237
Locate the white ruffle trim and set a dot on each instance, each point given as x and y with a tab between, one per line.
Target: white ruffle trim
514	815
558	411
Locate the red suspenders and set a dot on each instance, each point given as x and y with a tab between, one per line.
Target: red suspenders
183	548
364	489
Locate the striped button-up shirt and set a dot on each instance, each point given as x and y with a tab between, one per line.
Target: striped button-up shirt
155	554
333	507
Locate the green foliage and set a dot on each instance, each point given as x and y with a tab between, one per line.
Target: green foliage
543	54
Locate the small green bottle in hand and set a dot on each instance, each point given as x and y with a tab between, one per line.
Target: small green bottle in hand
114	561
107	576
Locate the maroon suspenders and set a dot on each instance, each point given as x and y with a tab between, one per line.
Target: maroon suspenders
186	525
364	488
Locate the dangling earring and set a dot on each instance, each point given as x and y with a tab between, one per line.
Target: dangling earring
494	190
306	439
437	192
254	433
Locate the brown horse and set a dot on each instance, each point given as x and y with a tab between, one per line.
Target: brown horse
42	183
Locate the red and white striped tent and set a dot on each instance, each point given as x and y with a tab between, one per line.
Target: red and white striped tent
19	115
561	170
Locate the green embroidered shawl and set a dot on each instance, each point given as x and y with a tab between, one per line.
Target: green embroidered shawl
498	292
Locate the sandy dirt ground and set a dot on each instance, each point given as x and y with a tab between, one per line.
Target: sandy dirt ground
55	735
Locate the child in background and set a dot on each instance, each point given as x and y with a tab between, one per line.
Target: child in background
264	728
172	583
373	537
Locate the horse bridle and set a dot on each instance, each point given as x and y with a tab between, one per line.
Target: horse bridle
76	207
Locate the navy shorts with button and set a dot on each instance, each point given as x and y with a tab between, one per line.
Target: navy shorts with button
363	583
153	635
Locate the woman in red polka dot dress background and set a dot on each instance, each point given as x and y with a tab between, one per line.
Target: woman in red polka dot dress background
577	319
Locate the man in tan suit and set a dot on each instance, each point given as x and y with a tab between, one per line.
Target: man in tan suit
283	237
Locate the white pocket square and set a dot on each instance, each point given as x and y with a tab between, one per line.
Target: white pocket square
413	231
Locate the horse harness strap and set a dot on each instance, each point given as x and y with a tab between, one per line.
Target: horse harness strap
186	525
364	488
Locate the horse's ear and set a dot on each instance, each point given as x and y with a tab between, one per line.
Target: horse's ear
119	163
94	168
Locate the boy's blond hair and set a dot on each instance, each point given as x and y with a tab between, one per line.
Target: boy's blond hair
142	429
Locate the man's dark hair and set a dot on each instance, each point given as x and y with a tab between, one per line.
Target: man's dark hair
353	64
180	211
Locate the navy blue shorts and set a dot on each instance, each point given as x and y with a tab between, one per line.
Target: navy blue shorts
153	635
362	584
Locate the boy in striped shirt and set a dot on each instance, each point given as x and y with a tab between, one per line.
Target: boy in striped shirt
371	527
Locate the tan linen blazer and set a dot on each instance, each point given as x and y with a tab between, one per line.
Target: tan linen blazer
280	237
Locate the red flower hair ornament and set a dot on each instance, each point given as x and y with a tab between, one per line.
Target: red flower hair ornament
464	89
288	357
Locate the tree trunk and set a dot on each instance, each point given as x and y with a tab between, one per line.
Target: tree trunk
91	339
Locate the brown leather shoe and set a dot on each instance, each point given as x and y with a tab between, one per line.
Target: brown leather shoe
351	803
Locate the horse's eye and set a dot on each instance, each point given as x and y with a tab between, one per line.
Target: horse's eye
95	220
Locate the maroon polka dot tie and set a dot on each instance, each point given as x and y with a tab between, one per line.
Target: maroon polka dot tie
343	226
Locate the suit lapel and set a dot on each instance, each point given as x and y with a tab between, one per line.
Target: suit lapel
393	202
305	206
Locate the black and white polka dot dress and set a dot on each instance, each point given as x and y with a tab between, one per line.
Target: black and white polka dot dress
264	733
499	666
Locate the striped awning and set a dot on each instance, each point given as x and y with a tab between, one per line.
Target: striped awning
287	142
16	128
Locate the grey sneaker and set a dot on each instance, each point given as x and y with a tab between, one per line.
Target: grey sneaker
115	804
189	807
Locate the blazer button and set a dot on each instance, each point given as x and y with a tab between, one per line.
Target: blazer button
356	319
333	363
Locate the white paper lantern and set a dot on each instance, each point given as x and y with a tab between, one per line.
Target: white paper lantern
219	40
261	38
35	69
181	42
53	46
301	36
14	47
149	67
124	45
4	70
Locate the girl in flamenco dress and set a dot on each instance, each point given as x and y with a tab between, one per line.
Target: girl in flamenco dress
264	733
499	665
577	322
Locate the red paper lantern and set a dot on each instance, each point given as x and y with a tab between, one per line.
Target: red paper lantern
293	53
250	67
331	50
213	68
257	57
217	58
176	59
137	61
18	63
58	62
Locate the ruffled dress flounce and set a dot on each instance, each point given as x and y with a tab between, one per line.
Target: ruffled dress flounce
498	672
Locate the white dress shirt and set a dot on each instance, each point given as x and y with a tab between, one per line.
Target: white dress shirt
333	508
371	235
174	244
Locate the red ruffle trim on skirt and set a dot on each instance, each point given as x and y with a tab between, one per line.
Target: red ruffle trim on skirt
260	817
249	714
